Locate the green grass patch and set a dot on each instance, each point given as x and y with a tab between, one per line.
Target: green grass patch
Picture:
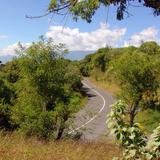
84	101
149	119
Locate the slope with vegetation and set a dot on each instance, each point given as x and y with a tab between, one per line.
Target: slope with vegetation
39	92
132	74
135	71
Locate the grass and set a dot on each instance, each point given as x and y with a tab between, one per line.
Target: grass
149	119
100	79
109	87
84	100
14	147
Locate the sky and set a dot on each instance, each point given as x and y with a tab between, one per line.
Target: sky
140	26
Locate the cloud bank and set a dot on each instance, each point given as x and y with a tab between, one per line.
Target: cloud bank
77	40
148	34
11	49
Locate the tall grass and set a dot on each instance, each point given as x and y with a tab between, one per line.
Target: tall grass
101	80
15	147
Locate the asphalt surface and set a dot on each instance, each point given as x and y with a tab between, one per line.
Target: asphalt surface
91	120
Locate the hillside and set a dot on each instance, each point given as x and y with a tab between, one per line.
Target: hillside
103	68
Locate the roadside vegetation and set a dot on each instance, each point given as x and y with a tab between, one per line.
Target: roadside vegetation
20	148
132	75
135	118
40	91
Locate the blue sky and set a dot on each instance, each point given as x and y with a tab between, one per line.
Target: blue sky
15	27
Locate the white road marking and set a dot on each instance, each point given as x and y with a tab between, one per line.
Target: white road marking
103	106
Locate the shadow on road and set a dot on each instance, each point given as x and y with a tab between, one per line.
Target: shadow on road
86	91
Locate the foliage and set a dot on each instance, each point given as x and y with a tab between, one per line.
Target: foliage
87	65
131	138
40	91
99	60
102	59
134	142
136	75
150	48
11	71
6	96
153	146
149	119
87	8
134	72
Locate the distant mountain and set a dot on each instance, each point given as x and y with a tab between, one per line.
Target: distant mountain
5	59
73	55
77	55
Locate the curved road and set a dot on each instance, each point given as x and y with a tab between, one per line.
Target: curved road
91	120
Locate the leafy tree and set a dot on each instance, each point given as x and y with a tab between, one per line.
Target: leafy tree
151	48
134	142
153	145
137	77
87	65
11	71
102	58
6	95
131	138
87	8
48	93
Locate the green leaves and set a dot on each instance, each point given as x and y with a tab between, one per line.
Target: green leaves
153	145
87	8
52	4
134	142
40	91
132	139
51	86
135	73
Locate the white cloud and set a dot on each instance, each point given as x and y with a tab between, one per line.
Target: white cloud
11	49
77	40
149	34
3	36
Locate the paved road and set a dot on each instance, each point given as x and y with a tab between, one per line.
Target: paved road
91	120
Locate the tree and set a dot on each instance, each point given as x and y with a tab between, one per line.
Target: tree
134	142
48	91
87	8
11	71
6	96
137	77
9	75
131	138
151	48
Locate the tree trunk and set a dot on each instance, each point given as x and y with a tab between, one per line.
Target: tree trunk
132	116
62	127
133	111
60	132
